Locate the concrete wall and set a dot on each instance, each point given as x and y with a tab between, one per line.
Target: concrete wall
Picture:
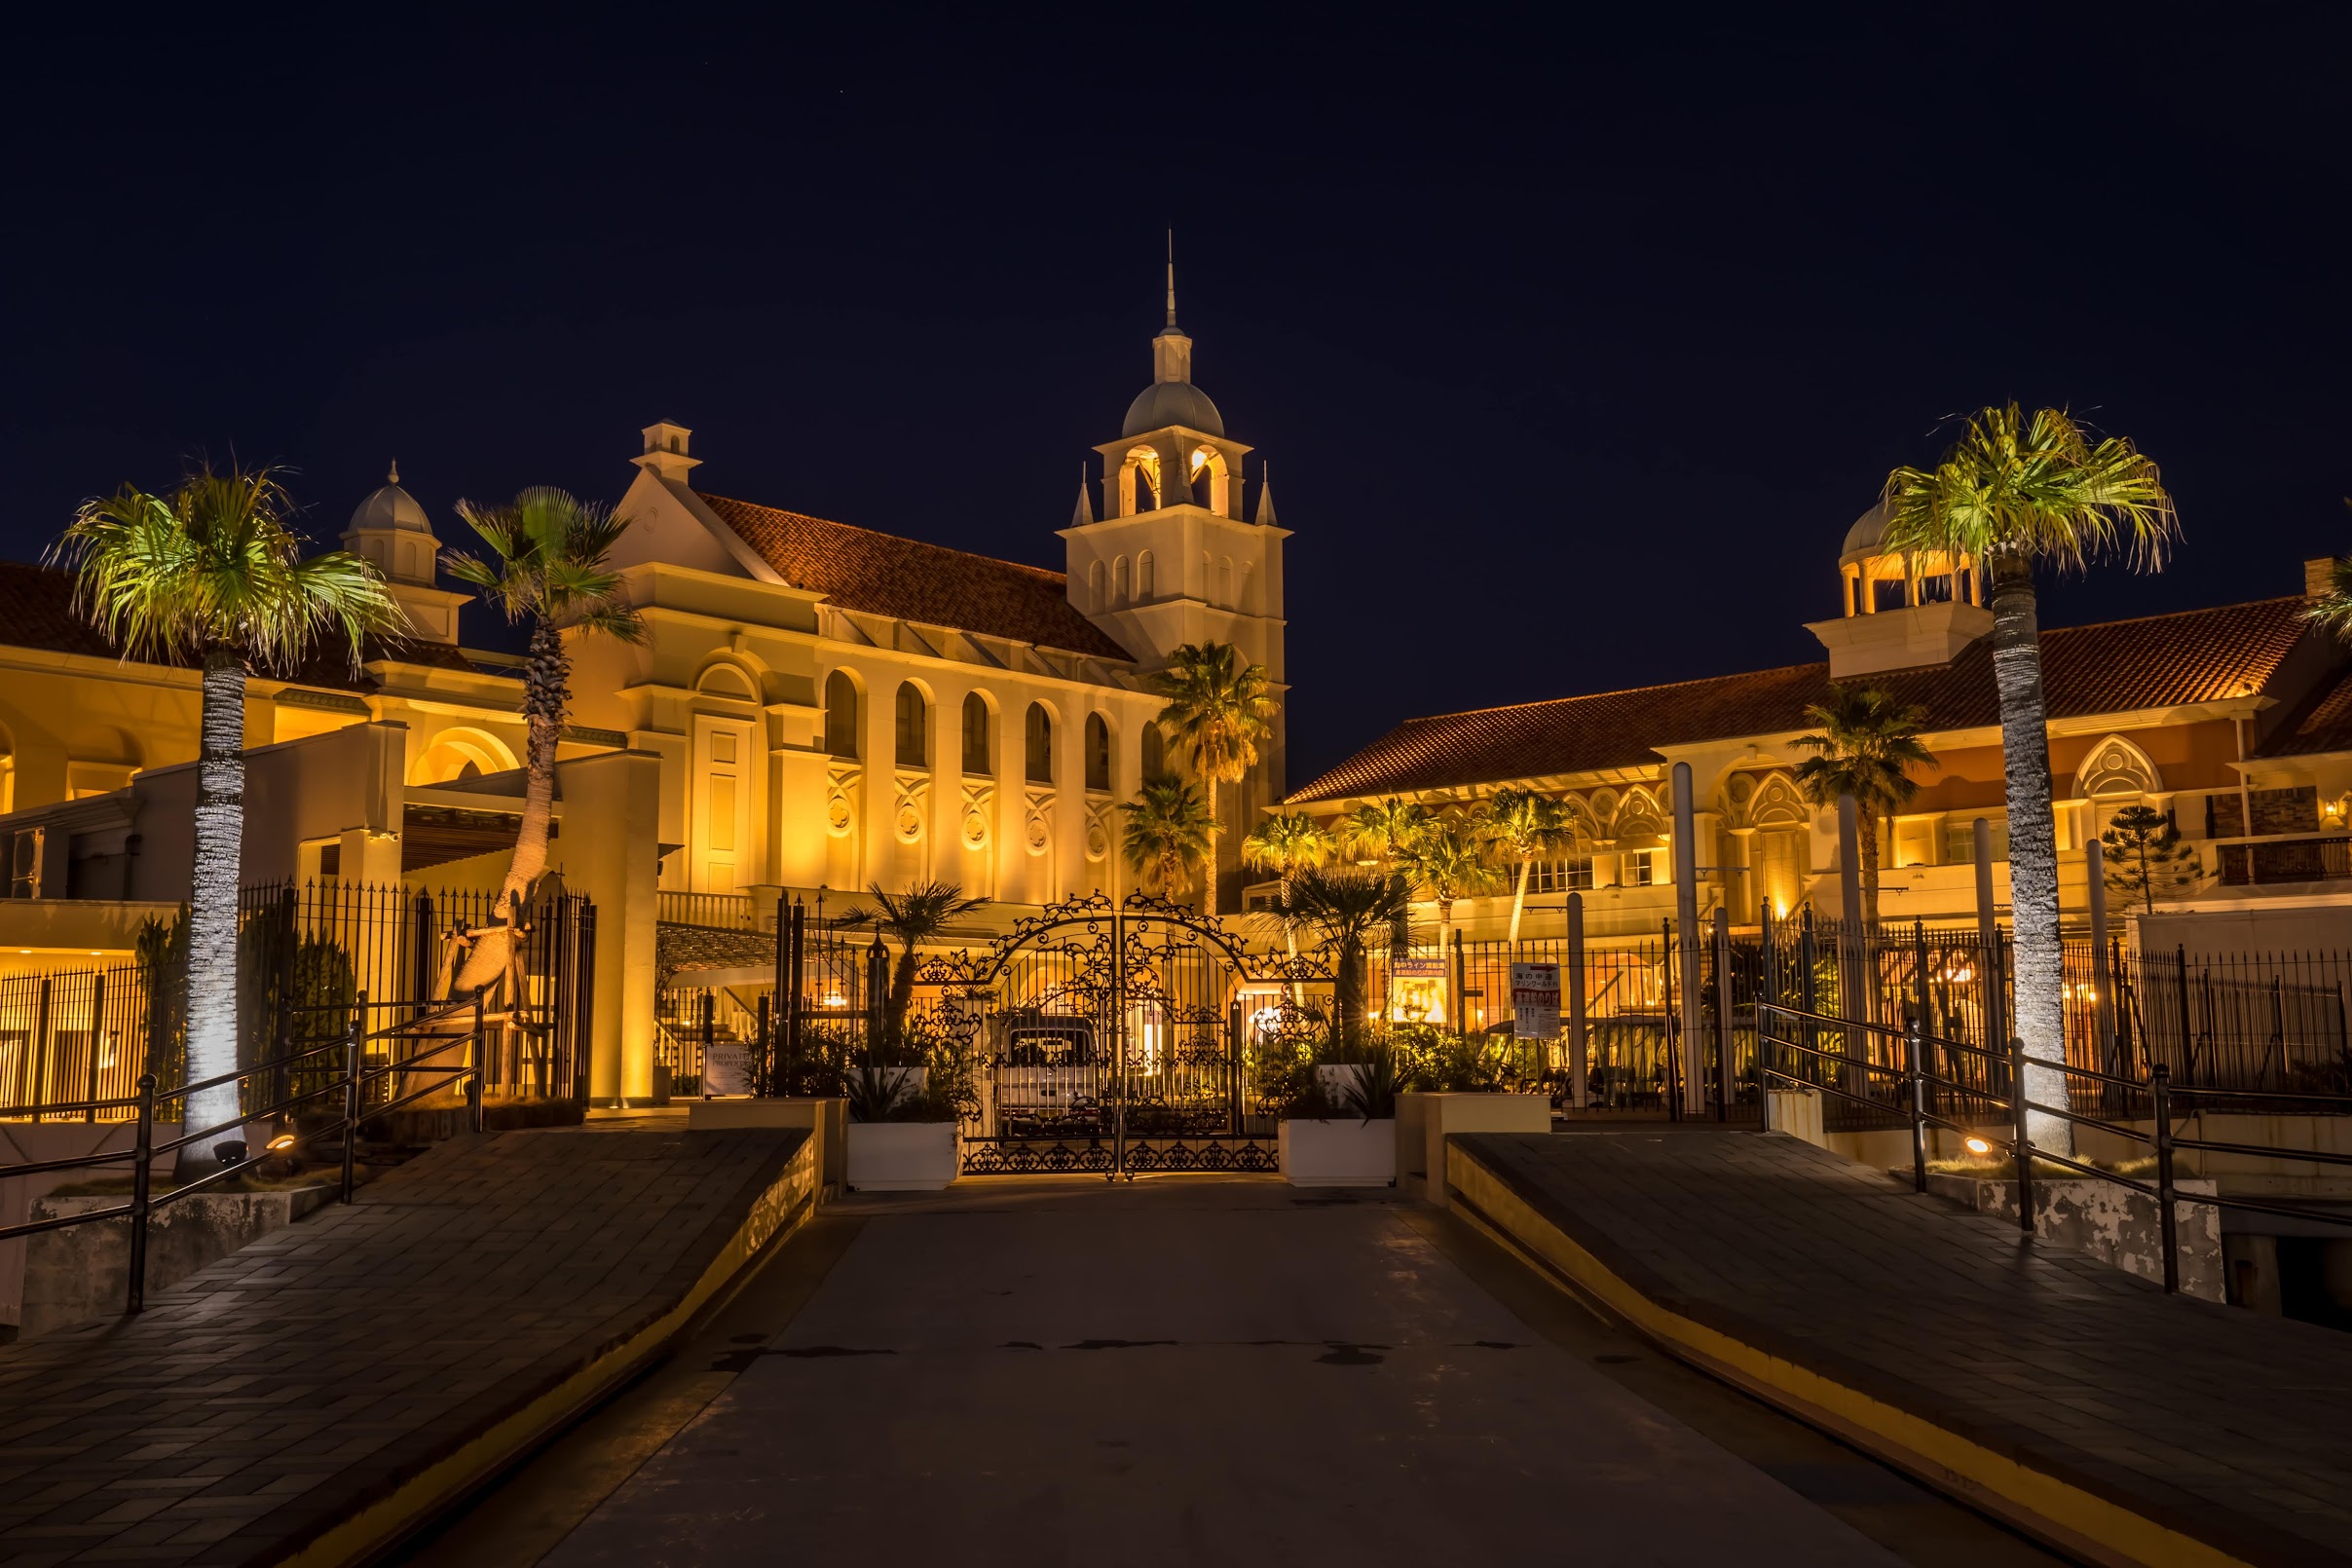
27	1142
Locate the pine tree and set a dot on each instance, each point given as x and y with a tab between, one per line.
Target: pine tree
2146	858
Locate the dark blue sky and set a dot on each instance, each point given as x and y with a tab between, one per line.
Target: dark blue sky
1575	352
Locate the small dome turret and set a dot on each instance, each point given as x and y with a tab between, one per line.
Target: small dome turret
391	507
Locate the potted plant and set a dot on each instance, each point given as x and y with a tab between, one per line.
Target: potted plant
1340	1129
902	1127
1458	1084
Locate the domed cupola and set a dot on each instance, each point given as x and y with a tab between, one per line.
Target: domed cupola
1898	611
391	530
1171	449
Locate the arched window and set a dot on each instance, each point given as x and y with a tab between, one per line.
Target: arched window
976	733
1038	735
914	741
1118	582
1155	754
1094	587
1207	567
1144	582
1098	752
1224	582
841	714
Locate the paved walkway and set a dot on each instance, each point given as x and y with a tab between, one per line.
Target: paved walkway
2231	1428
327	1377
1183	1371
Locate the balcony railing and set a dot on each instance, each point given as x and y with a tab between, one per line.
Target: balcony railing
2287	860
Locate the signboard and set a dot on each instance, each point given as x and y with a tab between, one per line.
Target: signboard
1417	991
1535	1000
725	1070
1417	968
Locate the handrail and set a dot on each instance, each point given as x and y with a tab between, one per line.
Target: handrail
351	1083
2019	1144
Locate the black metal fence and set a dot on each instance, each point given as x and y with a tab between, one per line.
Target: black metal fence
305	956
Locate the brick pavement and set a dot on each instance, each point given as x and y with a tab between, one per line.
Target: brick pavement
345	1371
2226	1426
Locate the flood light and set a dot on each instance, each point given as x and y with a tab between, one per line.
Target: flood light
1977	1145
283	1140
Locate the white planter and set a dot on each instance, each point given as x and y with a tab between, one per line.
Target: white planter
901	1156
1342	1152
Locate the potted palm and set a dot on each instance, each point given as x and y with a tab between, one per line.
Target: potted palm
902	1125
1341	1131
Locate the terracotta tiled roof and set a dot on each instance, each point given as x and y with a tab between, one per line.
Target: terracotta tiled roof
2323	724
907	580
2118	666
36	611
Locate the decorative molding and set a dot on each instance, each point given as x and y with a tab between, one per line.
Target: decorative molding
840	798
1037	822
911	808
979	805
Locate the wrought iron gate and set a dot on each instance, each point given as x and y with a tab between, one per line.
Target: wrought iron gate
1118	1038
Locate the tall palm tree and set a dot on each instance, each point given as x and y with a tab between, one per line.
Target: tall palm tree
1521	825
2333	608
214	572
1868	744
1347	906
909	918
1218	710
2016	490
1169	832
1448	860
545	565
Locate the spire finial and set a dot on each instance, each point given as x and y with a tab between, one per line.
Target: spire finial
1265	495
1171	278
393	477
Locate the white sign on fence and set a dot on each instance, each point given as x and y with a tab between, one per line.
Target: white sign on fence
1535	1000
725	1070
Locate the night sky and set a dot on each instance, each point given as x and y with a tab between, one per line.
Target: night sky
1575	353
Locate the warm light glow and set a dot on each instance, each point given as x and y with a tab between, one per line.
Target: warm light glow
1959	974
283	1140
1977	1145
832	998
1200	460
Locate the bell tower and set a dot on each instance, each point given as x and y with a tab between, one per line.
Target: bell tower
1897	610
1173	557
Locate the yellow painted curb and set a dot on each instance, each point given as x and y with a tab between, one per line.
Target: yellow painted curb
776	1213
2068	1516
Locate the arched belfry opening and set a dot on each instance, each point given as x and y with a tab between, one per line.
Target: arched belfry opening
1900	610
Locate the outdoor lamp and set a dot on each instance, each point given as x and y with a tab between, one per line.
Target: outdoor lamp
230	1151
1977	1145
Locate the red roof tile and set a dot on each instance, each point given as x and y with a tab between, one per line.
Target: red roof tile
907	580
2118	666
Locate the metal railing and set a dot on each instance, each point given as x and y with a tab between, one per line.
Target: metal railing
724	912
2006	1085
354	1087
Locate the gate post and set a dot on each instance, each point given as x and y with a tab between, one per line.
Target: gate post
1723	1074
1233	1064
1118	1041
1578	1091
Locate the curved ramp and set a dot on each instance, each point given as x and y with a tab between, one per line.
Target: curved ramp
312	1398
2080	1402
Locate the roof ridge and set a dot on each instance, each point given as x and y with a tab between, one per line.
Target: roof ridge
2174	614
1613	691
902	539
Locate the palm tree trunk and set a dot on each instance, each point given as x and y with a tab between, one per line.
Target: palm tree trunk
1209	875
1518	902
2039	971
547	696
221	825
902	992
1869	855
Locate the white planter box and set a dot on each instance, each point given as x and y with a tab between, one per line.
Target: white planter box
1342	1152
901	1156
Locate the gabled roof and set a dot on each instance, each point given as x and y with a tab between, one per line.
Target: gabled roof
2323	724
36	611
907	580
2118	666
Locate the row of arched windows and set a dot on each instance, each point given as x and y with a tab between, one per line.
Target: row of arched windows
1218	582
912	734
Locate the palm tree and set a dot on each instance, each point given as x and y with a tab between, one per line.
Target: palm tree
2014	491
1348	905
1867	746
2333	608
214	572
1521	825
1170	831
1287	844
1382	831
545	565
911	917
1449	860
1218	710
